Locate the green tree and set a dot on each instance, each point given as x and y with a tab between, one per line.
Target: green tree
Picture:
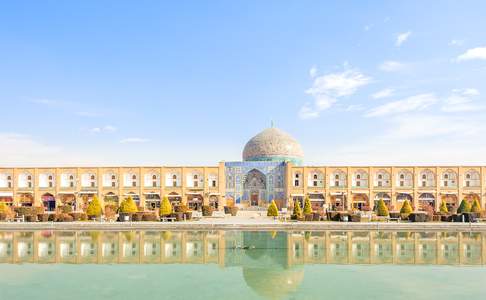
165	207
307	206
406	208
464	207
476	207
128	206
382	209
297	210
272	209
443	208
94	208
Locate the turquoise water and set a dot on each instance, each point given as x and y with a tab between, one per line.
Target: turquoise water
242	265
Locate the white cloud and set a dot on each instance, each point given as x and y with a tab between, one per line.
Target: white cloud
313	72
391	66
402	38
338	84
354	107
88	114
456	43
474	53
104	129
413	103
308	112
461	100
327	89
133	140
385	93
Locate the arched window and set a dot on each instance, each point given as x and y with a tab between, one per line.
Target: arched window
404	179
382	178
93	181
154	181
339	179
9	181
449	178
427	178
50	181
472	179
134	180
113	180
316	179
360	178
71	181
297	182
174	180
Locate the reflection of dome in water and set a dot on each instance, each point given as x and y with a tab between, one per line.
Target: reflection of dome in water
273	283
273	144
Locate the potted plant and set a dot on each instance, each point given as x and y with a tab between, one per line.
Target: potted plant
382	209
297	213
94	210
272	210
207	211
127	209
165	207
406	210
308	210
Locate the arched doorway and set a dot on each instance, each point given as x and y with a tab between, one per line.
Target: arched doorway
213	202
111	199
152	201
7	198
26	199
401	197
68	199
426	201
49	202
195	201
361	202
385	197
174	199
339	202
451	201
317	201
255	183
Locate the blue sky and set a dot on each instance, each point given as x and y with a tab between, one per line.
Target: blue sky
189	82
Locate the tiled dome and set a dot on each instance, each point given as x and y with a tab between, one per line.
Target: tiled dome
273	144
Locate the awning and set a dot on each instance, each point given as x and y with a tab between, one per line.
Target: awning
338	193
87	192
360	192
151	193
296	195
448	193
214	194
25	192
173	196
6	194
315	193
66	193
194	193
130	194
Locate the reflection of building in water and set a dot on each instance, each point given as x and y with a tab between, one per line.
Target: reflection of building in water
249	249
272	262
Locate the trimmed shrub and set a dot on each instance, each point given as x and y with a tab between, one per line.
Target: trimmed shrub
207	211
406	208
166	207
464	207
381	209
297	213
128	206
307	206
38	210
443	208
94	208
476	207
43	217
272	209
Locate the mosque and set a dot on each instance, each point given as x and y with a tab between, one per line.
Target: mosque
272	169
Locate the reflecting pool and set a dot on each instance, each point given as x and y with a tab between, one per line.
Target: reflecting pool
241	265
